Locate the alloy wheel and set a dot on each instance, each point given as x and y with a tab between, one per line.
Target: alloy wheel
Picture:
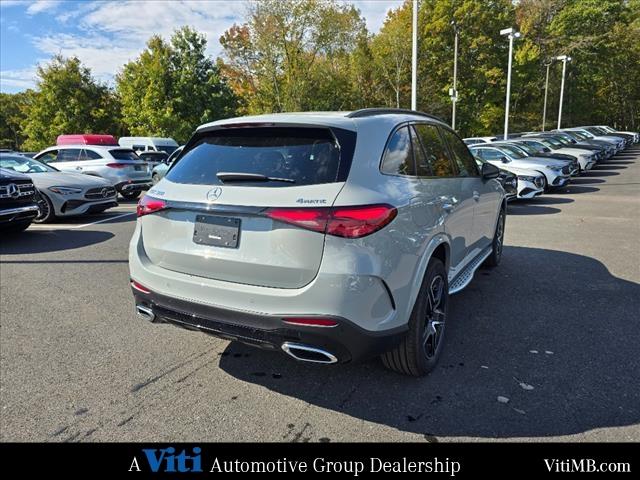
435	316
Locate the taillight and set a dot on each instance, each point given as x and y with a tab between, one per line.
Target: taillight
139	287
148	205
117	165
348	222
310	321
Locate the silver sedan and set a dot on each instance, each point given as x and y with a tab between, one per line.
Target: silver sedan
62	194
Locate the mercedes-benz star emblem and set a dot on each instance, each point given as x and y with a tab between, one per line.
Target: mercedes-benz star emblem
214	194
105	192
13	191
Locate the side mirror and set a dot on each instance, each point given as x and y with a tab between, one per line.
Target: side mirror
490	171
504	159
546	150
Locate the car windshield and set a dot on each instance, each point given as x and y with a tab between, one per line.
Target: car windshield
551	142
124	154
527	148
168	149
21	164
561	140
514	152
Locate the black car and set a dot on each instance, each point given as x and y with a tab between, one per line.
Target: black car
508	180
18	205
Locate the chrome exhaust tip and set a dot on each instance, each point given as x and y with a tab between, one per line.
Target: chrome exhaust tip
305	353
146	313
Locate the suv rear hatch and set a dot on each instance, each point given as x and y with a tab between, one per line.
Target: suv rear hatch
130	163
245	204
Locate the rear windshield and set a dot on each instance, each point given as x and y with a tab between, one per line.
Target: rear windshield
284	157
124	154
166	149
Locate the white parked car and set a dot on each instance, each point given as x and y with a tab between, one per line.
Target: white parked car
478	140
149	144
586	158
120	166
556	172
618	142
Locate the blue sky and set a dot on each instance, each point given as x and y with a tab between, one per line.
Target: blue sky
107	34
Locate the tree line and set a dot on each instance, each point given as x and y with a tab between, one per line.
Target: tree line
299	55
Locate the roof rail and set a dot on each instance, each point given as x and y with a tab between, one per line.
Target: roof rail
370	112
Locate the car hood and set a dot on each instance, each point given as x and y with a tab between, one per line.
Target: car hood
67	179
520	171
574	151
532	163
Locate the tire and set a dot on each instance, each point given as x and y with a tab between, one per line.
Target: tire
419	351
155	178
493	260
47	213
130	195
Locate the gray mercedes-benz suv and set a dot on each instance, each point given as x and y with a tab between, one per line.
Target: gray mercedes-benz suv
329	236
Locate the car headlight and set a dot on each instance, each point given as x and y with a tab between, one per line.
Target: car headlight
65	190
526	178
555	168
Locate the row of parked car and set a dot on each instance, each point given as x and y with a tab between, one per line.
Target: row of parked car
534	162
81	174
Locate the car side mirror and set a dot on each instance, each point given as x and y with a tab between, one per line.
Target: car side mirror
546	150
490	171
504	159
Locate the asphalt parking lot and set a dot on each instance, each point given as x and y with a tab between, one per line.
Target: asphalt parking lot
555	329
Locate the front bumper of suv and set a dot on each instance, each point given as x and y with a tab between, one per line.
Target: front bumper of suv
338	344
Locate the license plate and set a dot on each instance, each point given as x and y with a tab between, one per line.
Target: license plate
217	231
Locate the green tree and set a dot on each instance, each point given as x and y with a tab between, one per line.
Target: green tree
69	100
295	55
13	116
173	87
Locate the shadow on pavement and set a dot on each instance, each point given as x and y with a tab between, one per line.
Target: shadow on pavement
43	241
551	320
575	189
585	180
548	199
519	208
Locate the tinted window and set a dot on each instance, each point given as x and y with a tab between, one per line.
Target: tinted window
490	154
422	163
466	164
89	155
69	155
124	154
49	157
398	157
166	149
513	151
307	156
434	148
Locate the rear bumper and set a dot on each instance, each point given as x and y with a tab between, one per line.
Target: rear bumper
342	343
18	214
133	186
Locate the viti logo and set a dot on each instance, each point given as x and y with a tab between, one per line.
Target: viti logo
166	460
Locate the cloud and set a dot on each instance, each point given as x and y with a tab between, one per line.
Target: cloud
16	80
40	6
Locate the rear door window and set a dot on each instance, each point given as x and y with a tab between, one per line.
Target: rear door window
465	162
398	156
435	150
269	156
69	155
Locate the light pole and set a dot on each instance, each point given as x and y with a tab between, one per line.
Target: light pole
414	57
511	33
546	91
564	59
453	92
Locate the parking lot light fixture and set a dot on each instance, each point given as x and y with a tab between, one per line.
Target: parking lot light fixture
511	34
564	59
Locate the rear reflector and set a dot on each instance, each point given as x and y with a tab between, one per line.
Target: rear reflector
148	205
311	322
139	287
349	222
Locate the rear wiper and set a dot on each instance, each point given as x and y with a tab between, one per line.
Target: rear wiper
249	177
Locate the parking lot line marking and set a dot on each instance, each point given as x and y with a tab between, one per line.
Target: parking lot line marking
74	227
